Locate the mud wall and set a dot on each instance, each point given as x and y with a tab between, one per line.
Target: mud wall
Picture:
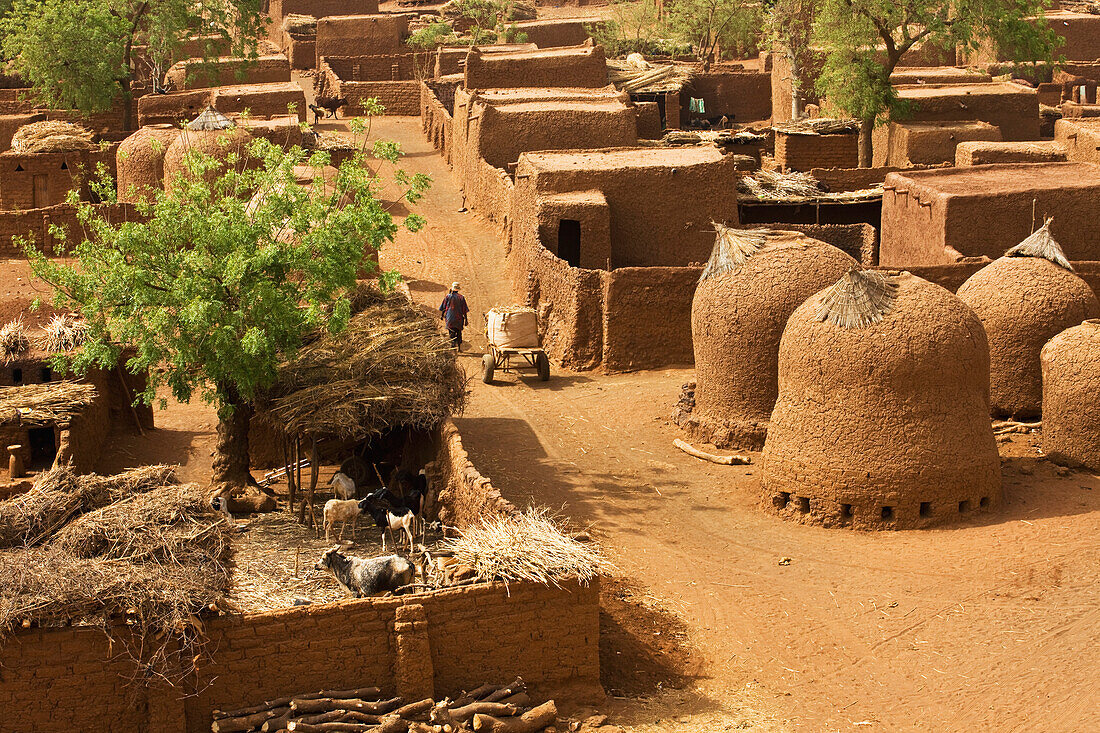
435	116
464	496
580	67
742	96
56	174
358	35
803	152
199	74
72	679
553	33
647	317
36	223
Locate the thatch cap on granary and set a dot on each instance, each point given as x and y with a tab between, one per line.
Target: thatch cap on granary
49	403
390	368
51	136
1041	243
210	119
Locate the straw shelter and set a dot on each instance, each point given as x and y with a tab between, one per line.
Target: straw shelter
1024	299
50	424
882	419
136	550
752	284
390	371
1071	383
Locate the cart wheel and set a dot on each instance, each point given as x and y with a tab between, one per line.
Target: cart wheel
488	364
542	364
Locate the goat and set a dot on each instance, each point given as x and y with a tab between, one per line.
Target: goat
366	577
318	113
397	518
332	105
337	510
220	504
343	484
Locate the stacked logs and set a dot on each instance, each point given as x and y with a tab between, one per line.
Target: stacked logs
488	709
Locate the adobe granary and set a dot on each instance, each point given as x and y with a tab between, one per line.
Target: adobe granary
1023	300
139	161
1071	383
753	282
571	66
882	420
936	217
212	133
47	160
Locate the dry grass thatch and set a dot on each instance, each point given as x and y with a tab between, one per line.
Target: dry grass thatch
652	80
61	494
315	140
49	403
63	332
137	546
51	136
530	546
766	184
391	367
818	126
1041	243
859	298
299	24
13	341
732	247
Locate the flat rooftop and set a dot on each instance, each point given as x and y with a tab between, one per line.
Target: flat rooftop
512	95
928	91
543	53
983	180
560	105
618	158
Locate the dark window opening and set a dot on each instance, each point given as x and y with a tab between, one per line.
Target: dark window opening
17	376
569	241
18	168
984	501
64	166
888	512
781	500
846	511
47	374
43	444
964	506
804	504
925	508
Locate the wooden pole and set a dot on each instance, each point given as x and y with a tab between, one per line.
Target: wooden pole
129	398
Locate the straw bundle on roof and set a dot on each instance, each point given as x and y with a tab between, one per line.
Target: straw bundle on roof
731	248
629	78
1041	243
61	494
529	546
767	184
299	24
136	545
13	340
391	367
858	299
49	403
63	332
51	136
818	126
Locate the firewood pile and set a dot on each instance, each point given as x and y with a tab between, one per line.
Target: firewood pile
491	708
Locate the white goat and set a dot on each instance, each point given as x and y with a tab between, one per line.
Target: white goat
343	485
337	510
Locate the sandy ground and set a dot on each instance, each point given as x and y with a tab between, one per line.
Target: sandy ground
988	625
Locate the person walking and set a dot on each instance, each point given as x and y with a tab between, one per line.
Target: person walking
454	312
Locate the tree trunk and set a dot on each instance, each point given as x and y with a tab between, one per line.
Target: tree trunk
796	85
866	128
231	462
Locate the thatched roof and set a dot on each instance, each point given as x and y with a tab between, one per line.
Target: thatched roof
818	126
210	119
300	24
794	186
138	545
1041	243
732	247
390	368
859	298
49	403
652	80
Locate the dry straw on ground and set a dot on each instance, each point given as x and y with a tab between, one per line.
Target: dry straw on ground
857	299
13	341
1041	243
525	547
51	136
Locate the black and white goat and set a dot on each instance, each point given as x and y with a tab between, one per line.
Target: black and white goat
389	519
366	577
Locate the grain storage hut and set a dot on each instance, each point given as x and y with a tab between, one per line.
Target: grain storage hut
882	420
1071	396
1024	299
752	284
139	161
212	133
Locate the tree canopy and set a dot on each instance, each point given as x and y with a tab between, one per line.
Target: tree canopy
84	54
227	274
863	41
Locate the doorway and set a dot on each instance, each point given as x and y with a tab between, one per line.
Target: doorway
41	192
569	241
43	445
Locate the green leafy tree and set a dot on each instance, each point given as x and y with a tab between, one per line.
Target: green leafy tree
863	41
788	24
231	270
632	27
82	54
489	21
715	25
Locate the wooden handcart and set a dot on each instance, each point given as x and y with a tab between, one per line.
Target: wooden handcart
515	360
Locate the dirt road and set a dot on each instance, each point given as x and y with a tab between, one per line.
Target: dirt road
992	625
